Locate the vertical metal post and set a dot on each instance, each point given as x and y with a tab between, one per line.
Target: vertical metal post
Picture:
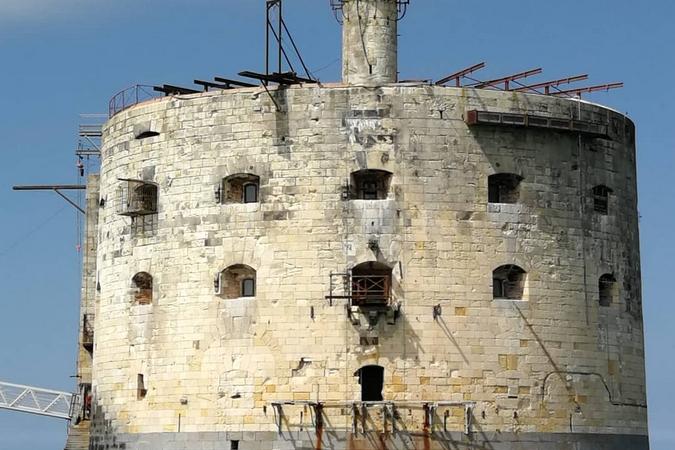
281	35
468	415
267	38
364	416
355	415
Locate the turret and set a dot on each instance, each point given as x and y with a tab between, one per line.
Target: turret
369	41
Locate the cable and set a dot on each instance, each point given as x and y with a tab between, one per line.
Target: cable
322	68
6	250
361	32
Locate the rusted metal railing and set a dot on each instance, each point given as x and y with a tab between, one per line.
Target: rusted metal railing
129	97
370	290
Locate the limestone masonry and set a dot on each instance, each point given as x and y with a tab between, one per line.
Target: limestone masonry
369	264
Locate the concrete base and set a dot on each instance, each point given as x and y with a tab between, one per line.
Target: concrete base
346	441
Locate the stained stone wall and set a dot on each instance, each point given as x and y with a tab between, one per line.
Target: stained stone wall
369	42
552	368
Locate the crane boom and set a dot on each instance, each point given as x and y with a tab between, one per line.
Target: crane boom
28	399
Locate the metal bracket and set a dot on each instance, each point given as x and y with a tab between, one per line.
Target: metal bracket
278	414
57	189
355	415
468	417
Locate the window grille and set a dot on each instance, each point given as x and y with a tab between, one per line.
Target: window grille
371	284
370	184
138	198
601	199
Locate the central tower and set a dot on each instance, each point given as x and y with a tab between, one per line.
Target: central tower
369	41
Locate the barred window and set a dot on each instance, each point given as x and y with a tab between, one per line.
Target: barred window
137	198
601	199
370	184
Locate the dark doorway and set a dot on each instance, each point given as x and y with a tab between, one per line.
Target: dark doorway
371	379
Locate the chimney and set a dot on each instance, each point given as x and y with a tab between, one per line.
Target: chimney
369	42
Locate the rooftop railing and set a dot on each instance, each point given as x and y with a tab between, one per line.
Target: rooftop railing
129	97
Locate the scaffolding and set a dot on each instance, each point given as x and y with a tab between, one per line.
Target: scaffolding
359	412
43	402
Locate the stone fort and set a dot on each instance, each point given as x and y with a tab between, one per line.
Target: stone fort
369	264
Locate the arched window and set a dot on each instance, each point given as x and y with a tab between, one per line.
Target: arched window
508	282
371	284
608	289
142	283
504	188
370	184
236	281
601	199
240	188
371	379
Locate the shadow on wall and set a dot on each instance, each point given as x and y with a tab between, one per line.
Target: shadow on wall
103	436
398	341
446	330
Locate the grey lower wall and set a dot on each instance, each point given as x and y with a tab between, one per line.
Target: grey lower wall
399	441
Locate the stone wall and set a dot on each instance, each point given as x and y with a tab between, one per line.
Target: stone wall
552	362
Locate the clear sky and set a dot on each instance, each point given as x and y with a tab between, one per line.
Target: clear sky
59	58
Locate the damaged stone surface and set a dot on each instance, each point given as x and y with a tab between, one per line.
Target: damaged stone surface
552	368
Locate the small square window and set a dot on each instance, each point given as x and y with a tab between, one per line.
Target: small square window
250	193
370	184
504	188
248	287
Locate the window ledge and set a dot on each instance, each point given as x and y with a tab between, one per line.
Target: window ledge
505	208
508	301
245	206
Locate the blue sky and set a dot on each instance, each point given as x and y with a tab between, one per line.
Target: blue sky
61	58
